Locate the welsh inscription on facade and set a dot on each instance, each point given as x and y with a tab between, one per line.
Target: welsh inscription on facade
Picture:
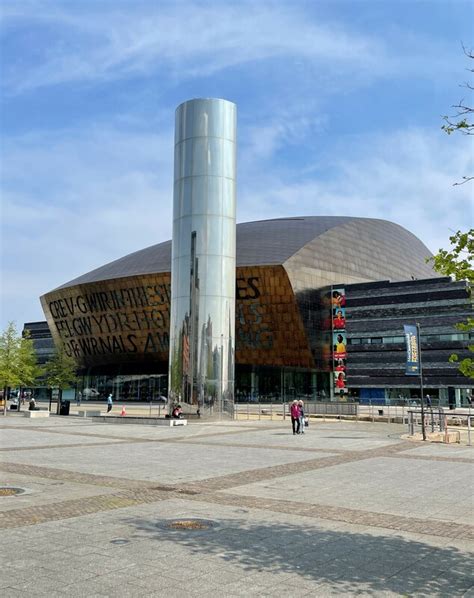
130	316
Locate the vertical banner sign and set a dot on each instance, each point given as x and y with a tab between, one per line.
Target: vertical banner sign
413	355
339	340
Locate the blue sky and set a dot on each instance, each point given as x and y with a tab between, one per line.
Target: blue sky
340	105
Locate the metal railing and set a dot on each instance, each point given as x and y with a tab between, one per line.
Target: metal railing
442	421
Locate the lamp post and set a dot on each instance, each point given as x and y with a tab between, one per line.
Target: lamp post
423	427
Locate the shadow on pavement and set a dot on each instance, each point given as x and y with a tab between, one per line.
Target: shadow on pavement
349	562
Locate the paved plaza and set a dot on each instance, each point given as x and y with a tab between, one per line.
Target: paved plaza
232	509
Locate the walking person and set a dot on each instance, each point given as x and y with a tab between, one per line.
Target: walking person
301	408
79	398
295	417
109	403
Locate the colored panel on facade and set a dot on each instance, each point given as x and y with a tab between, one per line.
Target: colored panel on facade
339	340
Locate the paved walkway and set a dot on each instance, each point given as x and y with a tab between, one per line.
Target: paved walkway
345	509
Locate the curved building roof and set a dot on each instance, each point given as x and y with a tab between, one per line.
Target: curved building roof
274	242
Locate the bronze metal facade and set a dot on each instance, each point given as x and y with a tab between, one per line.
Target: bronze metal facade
127	319
120	313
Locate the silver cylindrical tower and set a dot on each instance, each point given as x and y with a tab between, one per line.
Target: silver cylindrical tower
202	337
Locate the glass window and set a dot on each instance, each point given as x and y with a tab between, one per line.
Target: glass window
393	339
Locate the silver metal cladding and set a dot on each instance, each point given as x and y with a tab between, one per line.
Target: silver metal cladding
202	329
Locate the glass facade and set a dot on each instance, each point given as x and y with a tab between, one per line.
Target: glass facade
132	387
202	330
252	384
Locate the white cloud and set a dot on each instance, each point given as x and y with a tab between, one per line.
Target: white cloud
186	39
406	177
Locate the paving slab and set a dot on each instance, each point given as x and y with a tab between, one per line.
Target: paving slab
395	486
158	462
40	491
340	436
450	451
376	517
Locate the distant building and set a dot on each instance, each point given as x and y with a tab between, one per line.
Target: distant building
375	314
42	340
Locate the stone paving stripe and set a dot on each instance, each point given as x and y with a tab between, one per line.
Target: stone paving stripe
301	449
433	458
78	507
76	477
214	483
352	516
53	430
268	473
55	446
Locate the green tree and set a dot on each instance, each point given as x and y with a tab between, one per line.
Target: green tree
458	263
18	364
30	371
60	372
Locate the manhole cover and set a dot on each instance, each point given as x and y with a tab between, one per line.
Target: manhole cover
188	524
8	491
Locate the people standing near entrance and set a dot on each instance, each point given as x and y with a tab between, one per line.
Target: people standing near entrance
428	401
301	408
295	417
109	403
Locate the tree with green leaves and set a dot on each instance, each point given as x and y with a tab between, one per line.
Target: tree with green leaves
60	372
458	263
18	364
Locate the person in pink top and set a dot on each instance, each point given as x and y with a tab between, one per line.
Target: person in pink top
295	417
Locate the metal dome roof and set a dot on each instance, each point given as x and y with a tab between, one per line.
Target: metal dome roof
271	242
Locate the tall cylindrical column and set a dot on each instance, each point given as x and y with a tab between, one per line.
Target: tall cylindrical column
202	338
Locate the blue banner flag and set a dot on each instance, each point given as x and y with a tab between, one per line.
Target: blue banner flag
413	354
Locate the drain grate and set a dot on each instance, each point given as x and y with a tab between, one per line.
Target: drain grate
188	524
9	491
